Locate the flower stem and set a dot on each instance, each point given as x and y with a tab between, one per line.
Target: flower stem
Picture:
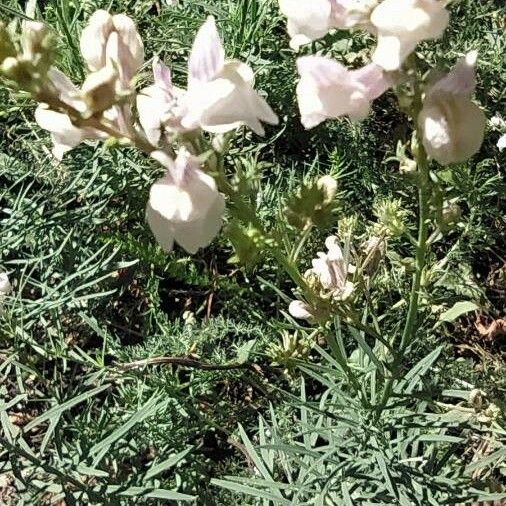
421	249
410	325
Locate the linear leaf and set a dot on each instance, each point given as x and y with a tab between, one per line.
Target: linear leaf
167	464
150	408
56	411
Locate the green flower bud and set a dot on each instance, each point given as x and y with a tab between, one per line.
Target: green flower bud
391	217
221	143
314	203
247	242
374	251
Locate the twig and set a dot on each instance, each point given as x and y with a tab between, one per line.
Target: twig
188	362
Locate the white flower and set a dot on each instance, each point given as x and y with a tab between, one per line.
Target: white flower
220	94
332	270
309	20
185	205
498	122
501	143
402	24
64	134
159	105
300	310
329	90
453	127
115	38
5	285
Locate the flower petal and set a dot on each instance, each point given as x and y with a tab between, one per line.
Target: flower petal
192	236
207	57
162	75
162	228
308	20
328	90
94	38
300	310
185	193
461	79
151	108
64	134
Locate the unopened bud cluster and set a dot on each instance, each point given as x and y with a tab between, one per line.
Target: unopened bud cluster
28	60
314	204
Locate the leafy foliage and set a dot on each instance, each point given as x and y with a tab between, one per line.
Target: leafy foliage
85	417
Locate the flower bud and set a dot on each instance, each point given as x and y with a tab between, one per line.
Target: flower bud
17	70
115	38
314	203
5	285
221	143
408	167
99	89
374	252
247	243
391	217
328	185
7	47
300	310
289	350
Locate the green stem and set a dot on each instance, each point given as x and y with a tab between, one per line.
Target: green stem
410	326
421	249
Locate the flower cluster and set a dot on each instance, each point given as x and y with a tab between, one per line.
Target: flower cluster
165	121
453	127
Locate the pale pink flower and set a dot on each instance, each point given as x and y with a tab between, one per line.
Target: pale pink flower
453	126
185	205
159	105
327	89
220	94
115	38
64	134
309	20
401	24
300	310
331	271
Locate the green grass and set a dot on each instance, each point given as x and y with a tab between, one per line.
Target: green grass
94	292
